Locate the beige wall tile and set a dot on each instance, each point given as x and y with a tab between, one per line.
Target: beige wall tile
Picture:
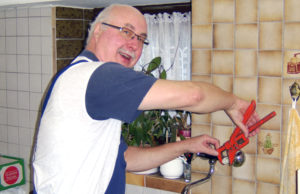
247	170
270	10
246	36
270	63
222	133
223	81
223	36
202	78
275	122
268	88
198	129
223	62
223	170
251	147
291	35
201	61
246	88
221	184
269	143
263	188
200	165
202	188
201	11
292	10
289	56
245	63
220	118
201	118
268	170
243	186
270	35
202	36
223	11
246	11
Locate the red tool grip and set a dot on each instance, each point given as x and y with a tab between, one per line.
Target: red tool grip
262	121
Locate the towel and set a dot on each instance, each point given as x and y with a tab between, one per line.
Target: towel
291	157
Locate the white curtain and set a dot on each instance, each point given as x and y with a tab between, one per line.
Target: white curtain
170	38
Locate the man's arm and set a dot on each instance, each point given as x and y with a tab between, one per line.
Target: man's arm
197	97
139	159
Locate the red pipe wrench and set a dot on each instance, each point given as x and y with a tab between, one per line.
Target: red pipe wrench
238	140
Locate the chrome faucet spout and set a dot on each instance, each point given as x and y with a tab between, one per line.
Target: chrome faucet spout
212	163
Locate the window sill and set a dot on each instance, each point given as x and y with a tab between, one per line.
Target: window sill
156	181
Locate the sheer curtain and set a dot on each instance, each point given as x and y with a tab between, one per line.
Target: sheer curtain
170	38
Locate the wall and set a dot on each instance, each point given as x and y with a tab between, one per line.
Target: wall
26	66
243	46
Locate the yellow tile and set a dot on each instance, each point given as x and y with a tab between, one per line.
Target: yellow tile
223	36
263	110
288	55
198	129
245	63
246	36
243	186
291	36
270	35
246	88
224	82
246	11
222	133
200	165
268	90
201	118
247	170
220	118
251	147
201	11
263	188
201	61
269	143
270	10
223	62
292	10
201	36
270	63
223	170
202	188
202	78
268	170
221	184
223	11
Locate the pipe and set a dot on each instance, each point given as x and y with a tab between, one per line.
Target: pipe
212	162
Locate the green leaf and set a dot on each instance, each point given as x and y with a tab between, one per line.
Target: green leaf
154	64
163	75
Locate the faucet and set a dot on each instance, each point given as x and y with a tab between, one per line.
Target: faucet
212	161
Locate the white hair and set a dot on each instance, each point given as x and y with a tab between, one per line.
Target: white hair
103	16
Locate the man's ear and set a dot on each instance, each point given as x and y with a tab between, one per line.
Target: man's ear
97	30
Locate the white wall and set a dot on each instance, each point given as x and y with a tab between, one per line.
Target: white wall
25	70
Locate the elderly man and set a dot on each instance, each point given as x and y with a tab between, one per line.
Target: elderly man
79	146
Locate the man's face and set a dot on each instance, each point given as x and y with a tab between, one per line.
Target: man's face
112	45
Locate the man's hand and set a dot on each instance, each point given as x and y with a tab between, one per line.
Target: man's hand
203	143
236	113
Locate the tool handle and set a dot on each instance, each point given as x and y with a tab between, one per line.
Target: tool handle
247	115
262	121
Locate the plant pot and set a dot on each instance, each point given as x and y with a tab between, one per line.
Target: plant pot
172	169
185	133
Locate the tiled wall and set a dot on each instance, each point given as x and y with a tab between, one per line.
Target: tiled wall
71	31
25	70
243	46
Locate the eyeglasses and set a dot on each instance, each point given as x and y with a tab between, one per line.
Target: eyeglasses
129	34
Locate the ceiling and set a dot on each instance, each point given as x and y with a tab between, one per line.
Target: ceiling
85	3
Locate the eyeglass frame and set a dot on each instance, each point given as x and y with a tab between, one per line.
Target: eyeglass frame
139	38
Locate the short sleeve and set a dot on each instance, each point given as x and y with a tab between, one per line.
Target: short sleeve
116	92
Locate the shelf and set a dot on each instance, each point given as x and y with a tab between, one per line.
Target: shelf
156	181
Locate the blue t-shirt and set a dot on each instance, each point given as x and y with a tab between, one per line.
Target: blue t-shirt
115	91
